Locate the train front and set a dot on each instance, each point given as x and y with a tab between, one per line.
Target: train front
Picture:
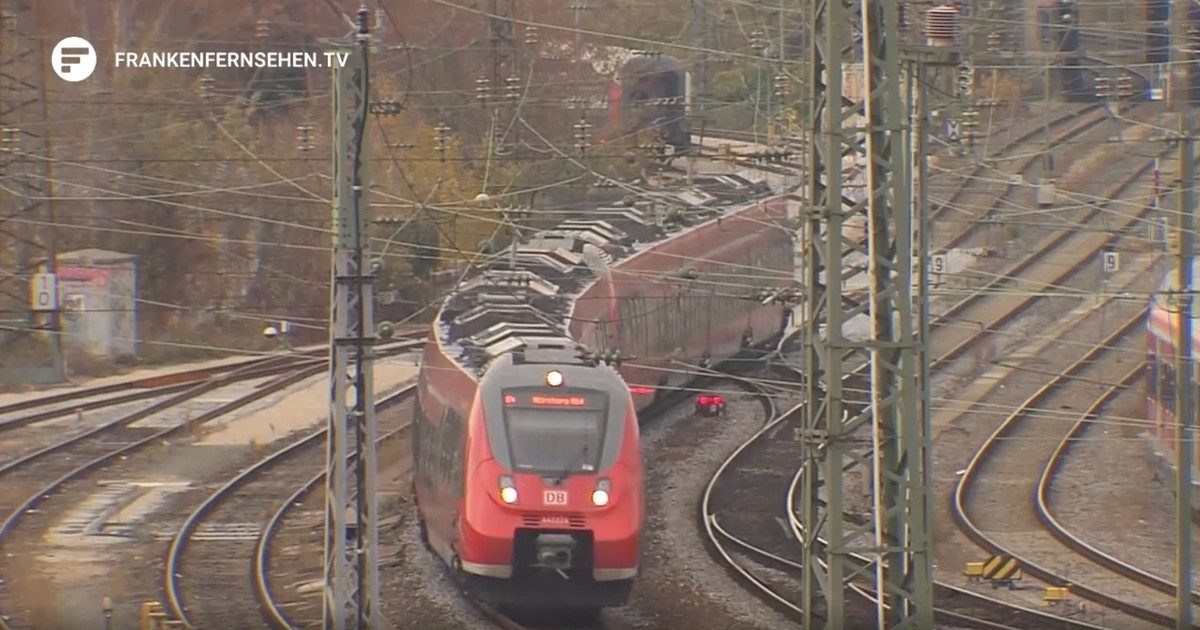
553	499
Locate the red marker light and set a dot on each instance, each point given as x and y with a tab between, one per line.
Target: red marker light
641	391
705	400
509	399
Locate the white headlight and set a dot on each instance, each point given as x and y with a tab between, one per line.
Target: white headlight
600	498
554	378
508	495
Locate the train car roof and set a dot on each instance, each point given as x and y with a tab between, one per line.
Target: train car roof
521	299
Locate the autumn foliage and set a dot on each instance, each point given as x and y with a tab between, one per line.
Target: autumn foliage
220	181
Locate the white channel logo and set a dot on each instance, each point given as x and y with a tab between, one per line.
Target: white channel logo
74	59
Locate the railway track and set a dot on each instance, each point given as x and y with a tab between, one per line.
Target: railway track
213	568
87	399
952	225
281	614
56	472
1061	255
947	215
263	541
779	590
763	555
1045	485
1015	451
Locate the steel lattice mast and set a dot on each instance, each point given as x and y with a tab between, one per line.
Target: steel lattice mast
26	188
351	579
874	130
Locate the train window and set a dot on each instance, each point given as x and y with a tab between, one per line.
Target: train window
453	448
637	322
1167	386
1152	373
628	323
602	340
555	440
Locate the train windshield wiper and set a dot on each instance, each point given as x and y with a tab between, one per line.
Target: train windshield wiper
578	463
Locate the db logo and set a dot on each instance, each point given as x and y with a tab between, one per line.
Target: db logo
555	497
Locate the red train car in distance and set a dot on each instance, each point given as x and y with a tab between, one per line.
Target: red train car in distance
529	478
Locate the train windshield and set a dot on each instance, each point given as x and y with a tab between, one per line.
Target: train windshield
555	440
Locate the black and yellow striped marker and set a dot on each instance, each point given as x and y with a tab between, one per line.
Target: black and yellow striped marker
1001	569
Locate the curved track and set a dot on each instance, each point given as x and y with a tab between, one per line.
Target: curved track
215	567
1078	247
763	553
1016	443
237	495
53	471
1074	127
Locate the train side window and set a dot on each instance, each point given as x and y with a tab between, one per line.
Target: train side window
643	313
666	324
602	339
637	325
626	323
452	448
418	443
1167	386
438	445
1152	372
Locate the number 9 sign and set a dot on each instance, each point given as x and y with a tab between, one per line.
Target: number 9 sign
937	263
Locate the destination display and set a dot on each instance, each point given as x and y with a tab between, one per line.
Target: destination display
558	400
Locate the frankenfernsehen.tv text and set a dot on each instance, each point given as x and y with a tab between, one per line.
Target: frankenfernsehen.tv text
224	59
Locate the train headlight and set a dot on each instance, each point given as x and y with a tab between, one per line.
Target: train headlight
554	378
508	490
601	495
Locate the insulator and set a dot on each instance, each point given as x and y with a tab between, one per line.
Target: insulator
993	42
966	81
902	13
941	27
513	87
1103	88
531	35
11	142
482	90
304	137
757	40
441	131
780	83
262	29
207	83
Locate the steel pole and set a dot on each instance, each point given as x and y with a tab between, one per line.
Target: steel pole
351	585
1185	412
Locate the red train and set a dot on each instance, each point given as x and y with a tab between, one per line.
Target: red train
651	93
528	463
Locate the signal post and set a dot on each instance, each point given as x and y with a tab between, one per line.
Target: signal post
351	589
